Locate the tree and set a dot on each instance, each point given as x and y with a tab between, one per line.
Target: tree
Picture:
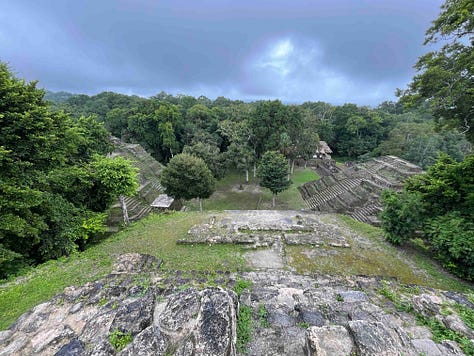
272	171
53	187
267	122
114	177
211	155
239	152
446	76
439	207
357	130
187	177
401	216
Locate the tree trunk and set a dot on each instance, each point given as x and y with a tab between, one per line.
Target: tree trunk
123	205
273	200
255	170
292	166
247	175
200	204
305	164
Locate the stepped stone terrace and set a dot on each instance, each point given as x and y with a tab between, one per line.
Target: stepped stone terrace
150	188
355	190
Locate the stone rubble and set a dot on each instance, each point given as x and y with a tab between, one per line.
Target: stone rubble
179	314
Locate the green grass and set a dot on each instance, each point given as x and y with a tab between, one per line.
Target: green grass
241	285
439	331
229	196
156	235
374	256
244	328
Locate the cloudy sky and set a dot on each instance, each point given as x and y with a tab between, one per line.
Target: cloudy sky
336	51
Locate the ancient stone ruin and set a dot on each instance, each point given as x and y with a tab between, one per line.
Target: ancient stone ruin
266	233
150	188
141	310
355	189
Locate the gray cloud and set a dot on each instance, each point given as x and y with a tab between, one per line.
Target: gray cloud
336	51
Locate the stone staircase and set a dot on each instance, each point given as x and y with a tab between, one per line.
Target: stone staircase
356	190
138	206
318	193
368	213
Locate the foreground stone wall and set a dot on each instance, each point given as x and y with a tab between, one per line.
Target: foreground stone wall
176	313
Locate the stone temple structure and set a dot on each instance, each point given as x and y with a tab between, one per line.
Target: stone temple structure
150	188
355	189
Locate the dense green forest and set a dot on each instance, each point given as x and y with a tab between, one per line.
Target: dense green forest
230	133
55	180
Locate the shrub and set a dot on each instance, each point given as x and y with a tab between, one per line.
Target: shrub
452	239
401	216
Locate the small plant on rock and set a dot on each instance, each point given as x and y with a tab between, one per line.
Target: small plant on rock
263	316
119	340
241	285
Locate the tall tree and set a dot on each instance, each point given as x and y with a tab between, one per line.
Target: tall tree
268	121
210	154
273	171
48	176
187	177
446	76
240	154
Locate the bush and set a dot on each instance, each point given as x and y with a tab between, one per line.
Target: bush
401	216
452	239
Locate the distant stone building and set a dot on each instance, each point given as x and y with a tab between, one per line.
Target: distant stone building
324	151
164	202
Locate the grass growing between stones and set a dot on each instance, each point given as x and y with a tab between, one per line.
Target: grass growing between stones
370	254
230	196
155	235
119	340
439	331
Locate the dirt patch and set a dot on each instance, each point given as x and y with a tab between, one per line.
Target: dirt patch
248	188
266	258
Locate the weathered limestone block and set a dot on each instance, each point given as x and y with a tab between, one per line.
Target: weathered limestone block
354	296
328	340
135	263
427	304
375	338
150	341
216	334
201	321
133	316
74	348
179	317
455	323
427	347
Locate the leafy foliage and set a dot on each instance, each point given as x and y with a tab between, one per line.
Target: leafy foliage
401	216
187	177
445	78
210	154
273	172
439	206
244	328
119	339
452	240
51	177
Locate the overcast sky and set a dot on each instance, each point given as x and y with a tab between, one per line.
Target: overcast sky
336	51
